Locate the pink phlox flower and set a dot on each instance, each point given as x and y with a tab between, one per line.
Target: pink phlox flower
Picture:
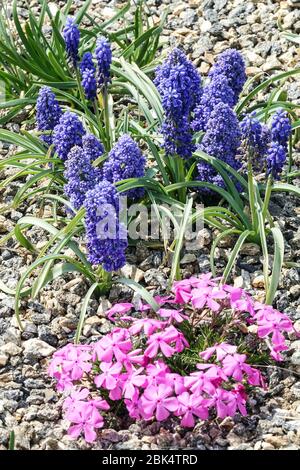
238	399
204	280
149	325
160	300
122	307
116	393
274	324
221	350
134	357
175	380
180	341
239	299
191	405
75	396
110	375
157	371
114	345
158	343
182	290
133	407
205	297
198	382
74	362
134	381
276	355
254	376
213	372
227	402
86	419
99	403
172	315
158	401
161	342
233	365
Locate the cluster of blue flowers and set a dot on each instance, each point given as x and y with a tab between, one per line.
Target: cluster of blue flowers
107	236
256	138
88	75
48	113
125	161
179	85
217	91
230	63
67	133
92	146
88	185
221	140
81	176
280	130
226	80
103	55
266	148
71	36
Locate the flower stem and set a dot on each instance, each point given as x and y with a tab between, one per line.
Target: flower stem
108	126
180	177
252	197
81	92
290	162
267	197
104	280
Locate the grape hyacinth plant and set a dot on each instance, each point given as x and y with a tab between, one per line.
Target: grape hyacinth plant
71	36
106	234
125	160
103	56
67	133
48	113
81	176
179	85
230	63
222	140
88	76
215	92
92	146
147	365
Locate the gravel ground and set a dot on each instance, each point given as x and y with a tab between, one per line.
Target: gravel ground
28	403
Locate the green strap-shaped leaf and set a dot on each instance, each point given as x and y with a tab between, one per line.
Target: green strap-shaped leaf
83	310
241	240
139	290
277	264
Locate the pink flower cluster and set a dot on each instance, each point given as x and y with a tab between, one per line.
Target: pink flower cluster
133	363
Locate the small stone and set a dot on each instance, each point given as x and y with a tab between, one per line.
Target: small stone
104	305
259	281
111	435
271	63
132	272
267	446
11	349
205	26
3	360
155	277
295	359
277	441
250	249
37	349
188	258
